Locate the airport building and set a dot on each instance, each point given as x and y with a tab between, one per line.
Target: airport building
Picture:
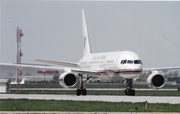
5	86
30	74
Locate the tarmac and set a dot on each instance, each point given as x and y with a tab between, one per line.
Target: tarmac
133	99
56	112
99	89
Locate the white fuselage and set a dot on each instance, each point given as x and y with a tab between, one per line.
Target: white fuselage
126	64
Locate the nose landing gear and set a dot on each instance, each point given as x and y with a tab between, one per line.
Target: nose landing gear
129	91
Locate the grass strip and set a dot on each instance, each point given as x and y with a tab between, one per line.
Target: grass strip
91	85
98	92
84	106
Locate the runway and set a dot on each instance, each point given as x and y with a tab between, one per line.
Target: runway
57	112
133	99
99	89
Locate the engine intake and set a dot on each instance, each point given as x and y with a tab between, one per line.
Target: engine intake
67	79
155	80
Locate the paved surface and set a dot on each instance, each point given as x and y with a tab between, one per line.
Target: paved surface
149	99
56	112
99	89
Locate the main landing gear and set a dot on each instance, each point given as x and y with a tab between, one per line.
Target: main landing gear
129	91
81	90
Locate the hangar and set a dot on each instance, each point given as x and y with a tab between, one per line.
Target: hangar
5	86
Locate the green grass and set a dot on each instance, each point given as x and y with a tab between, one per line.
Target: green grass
90	85
96	92
90	106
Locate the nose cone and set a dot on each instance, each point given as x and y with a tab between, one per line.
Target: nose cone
133	66
130	65
131	71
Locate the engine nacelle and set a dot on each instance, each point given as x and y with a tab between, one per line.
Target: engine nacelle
155	80
67	79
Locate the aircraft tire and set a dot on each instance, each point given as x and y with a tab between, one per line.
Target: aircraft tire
125	92
130	92
78	92
83	92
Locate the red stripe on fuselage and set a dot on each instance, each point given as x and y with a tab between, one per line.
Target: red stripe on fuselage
120	72
131	71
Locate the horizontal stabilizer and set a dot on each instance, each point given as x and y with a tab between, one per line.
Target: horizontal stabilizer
62	63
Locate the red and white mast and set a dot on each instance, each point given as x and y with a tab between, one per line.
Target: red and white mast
19	55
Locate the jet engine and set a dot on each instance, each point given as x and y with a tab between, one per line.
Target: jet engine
67	79
155	80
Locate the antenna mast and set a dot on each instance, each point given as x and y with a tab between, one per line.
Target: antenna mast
19	55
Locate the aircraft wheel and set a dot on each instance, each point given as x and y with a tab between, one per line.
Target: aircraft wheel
132	92
129	92
84	92
125	92
78	92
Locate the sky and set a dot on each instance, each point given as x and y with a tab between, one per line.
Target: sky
52	29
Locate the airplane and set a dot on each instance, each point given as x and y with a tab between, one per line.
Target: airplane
104	65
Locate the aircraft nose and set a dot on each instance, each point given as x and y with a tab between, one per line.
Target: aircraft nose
138	66
134	67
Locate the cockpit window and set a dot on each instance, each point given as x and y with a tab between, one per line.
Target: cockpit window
137	62
131	62
123	61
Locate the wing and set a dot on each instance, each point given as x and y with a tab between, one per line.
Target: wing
44	68
63	63
161	68
155	77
